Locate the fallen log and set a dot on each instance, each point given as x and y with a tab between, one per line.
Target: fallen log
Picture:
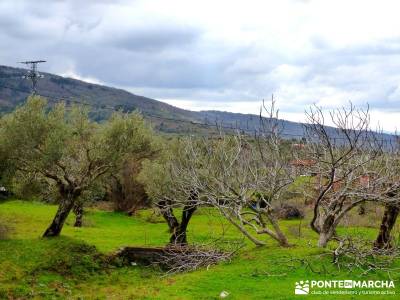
140	255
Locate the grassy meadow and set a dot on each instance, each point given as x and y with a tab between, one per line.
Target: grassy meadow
69	267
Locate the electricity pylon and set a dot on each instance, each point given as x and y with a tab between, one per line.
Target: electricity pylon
33	75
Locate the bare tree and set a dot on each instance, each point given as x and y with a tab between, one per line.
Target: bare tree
348	164
240	176
274	172
223	178
225	172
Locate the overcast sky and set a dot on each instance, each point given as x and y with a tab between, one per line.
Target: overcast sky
225	55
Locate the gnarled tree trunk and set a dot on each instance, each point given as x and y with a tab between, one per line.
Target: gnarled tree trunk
179	236
325	237
327	230
388	220
57	224
78	211
280	236
325	226
69	195
178	230
166	211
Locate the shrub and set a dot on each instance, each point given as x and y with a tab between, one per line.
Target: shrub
288	212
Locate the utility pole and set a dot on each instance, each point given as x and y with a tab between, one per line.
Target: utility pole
33	75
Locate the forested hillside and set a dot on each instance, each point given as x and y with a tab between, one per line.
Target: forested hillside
102	100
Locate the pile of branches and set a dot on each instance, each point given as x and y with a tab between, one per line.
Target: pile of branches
177	259
357	254
187	258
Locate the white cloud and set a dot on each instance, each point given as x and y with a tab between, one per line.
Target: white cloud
74	75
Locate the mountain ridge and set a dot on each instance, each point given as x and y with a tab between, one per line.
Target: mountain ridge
167	118
14	90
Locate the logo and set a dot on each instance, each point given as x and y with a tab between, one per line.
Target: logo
348	284
302	288
344	287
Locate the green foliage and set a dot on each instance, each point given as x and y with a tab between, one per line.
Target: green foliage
31	186
31	134
125	135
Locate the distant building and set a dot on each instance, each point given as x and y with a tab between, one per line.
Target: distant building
302	166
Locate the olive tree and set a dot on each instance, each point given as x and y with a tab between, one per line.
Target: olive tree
68	150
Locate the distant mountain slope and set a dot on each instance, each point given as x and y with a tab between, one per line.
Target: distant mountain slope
167	118
14	90
249	123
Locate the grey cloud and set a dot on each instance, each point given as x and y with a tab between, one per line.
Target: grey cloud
158	55
155	38
165	59
367	73
19	29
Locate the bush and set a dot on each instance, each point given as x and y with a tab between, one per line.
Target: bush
288	212
154	218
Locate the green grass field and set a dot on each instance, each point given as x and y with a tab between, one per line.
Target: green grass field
67	267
